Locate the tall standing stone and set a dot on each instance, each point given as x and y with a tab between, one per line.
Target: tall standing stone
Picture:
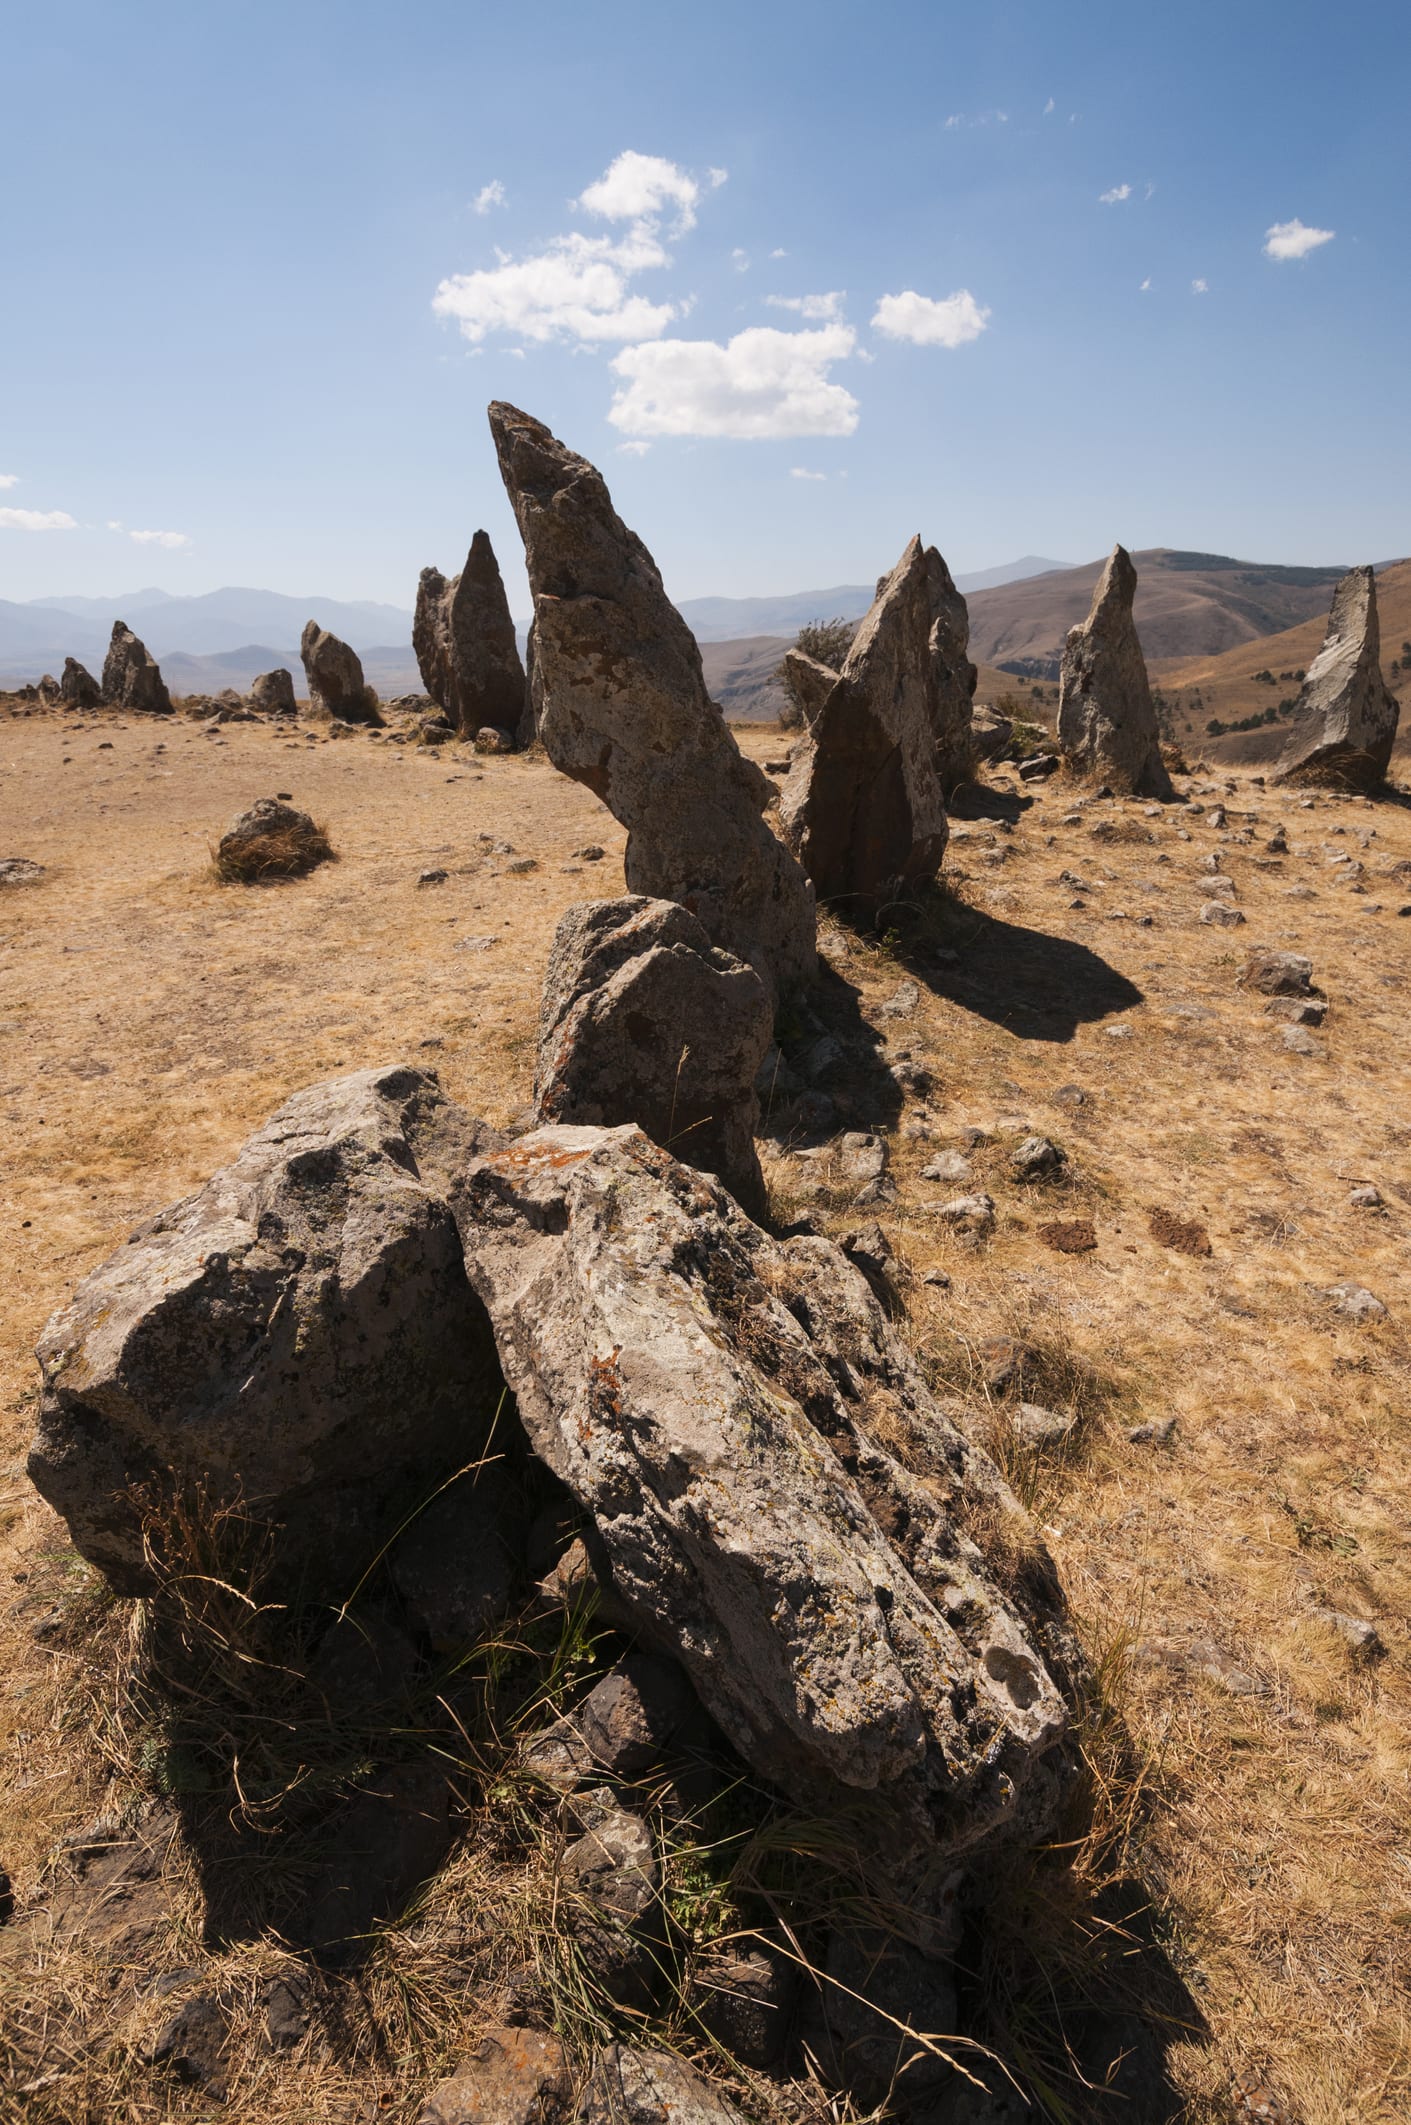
1106	719
1346	717
465	644
78	687
862	807
626	712
334	673
131	675
953	673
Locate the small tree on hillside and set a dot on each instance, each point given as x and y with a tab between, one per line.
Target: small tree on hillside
827	642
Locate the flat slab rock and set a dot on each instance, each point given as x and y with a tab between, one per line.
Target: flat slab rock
1346	719
708	1395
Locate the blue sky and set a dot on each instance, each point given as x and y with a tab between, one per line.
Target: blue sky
223	244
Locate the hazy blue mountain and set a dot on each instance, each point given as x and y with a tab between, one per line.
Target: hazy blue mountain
734	619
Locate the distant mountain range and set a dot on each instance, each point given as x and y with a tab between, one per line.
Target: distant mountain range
736	619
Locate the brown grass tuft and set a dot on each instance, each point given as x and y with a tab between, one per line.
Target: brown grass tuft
268	859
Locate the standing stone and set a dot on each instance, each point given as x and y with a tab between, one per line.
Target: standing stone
1346	716
131	677
465	643
862	806
626	712
334	673
954	674
1106	720
78	687
272	693
533	716
643	1021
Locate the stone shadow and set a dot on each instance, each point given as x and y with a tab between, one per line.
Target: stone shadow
1036	986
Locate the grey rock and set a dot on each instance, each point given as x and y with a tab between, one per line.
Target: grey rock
821	1058
299	1334
334	676
969	1213
1297	1010
1106	721
1278	973
697	1418
1346	719
1037	1426
1157	1431
1039	767
1355	1301
1365	1198
271	839
465	645
626	712
1221	916
285	2000
611	1881
515	2077
1297	1040
20	870
742	1995
78	688
490	739
902	1002
629	2086
990	732
643	1020
869	1250
953	676
1037	1158
862	807
951	1166
132	678
1362	1639
861	1159
272	693
191	2045
435	876
628	1720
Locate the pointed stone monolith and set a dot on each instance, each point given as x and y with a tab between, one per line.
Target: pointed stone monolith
1346	717
131	675
465	644
1106	718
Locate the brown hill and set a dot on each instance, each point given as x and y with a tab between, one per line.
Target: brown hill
1261	679
1188	604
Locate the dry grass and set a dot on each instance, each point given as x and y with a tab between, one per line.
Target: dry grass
149	1020
265	859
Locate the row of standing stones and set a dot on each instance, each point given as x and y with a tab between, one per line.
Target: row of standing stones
756	1479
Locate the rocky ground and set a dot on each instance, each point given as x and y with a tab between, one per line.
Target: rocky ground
1152	1229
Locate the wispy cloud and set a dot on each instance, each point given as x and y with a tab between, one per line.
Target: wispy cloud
1145	285
740	260
490	195
636	448
778	254
761	383
1200	287
801	472
1294	239
1048	108
959	119
927	322
37	520
170	539
819	309
1111	199
9	479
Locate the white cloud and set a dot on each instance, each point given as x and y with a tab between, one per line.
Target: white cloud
761	383
1293	239
740	260
637	187
633	449
1200	287
1118	192
1145	285
576	290
37	520
801	472
1048	108
928	323
9	479
818	309
490	195
778	254
717	178
171	539
116	524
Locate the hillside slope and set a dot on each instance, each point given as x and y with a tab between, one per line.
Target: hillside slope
1188	604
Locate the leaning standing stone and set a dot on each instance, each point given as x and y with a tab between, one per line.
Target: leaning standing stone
1346	718
334	673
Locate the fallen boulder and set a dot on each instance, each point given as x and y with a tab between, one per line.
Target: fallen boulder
465	643
626	712
131	676
1346	719
271	840
272	693
862	807
516	2077
642	1020
708	1394
299	1335
1106	719
335	679
78	687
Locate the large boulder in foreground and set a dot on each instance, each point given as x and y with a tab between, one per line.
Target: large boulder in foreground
643	1020
131	675
709	1395
465	643
1346	719
862	806
271	840
1106	718
299	1334
334	675
626	712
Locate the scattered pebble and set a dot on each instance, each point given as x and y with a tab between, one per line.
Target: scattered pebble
1158	1431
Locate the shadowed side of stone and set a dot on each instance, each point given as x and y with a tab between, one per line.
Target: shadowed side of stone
334	674
131	676
465	644
625	711
1106	718
642	1020
1346	719
78	687
862	806
953	675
